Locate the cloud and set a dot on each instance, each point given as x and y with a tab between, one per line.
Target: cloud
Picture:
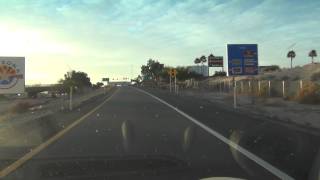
116	33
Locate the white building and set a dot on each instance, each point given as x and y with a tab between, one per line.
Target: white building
199	69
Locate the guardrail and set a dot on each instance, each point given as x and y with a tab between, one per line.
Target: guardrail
52	106
40	121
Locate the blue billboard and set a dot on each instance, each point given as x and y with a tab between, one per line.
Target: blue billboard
242	59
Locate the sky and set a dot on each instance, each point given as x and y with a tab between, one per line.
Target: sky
113	38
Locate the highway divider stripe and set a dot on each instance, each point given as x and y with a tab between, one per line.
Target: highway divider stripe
275	171
12	167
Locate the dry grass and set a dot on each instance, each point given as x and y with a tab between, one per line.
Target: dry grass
315	76
21	107
309	94
2	97
4	117
264	91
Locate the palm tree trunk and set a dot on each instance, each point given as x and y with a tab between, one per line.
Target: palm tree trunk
291	62
312	59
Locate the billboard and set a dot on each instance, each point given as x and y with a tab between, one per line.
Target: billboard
12	75
215	61
242	59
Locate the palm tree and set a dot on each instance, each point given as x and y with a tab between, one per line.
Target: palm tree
291	54
197	61
203	59
312	54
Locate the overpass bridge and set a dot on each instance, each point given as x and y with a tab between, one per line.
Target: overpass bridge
123	83
33	90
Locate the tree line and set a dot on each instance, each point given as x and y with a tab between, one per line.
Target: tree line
78	80
292	54
156	71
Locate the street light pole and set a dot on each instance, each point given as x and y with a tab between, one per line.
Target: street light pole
170	83
70	100
175	84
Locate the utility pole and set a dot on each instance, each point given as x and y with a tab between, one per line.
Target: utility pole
170	83
70	100
175	84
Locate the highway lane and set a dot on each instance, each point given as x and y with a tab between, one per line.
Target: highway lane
135	136
26	135
292	149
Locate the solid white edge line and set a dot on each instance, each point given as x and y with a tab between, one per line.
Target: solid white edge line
275	171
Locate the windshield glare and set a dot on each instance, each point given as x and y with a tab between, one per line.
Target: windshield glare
210	89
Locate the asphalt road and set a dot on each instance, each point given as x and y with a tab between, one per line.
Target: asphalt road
135	136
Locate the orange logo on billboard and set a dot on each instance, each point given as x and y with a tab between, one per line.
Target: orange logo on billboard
9	75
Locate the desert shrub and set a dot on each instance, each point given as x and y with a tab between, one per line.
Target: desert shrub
20	107
220	73
2	97
296	78
268	77
309	94
315	76
53	95
263	91
284	78
272	68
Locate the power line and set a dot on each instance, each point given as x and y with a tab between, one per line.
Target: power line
292	45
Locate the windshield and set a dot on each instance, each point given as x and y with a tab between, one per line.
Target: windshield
120	89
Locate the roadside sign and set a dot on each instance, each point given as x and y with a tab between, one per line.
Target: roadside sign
242	59
215	61
105	79
172	72
12	75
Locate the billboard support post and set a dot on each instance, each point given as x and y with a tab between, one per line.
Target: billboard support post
70	96
269	88
241	87
253	97
175	84
234	92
